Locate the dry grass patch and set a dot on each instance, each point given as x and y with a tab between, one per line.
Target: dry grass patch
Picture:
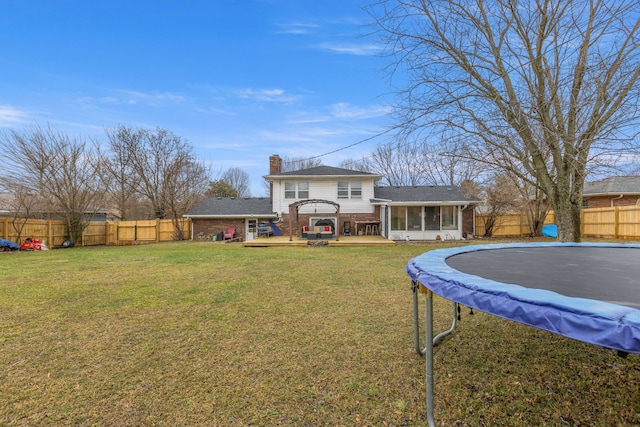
197	333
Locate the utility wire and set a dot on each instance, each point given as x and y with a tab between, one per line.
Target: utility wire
353	145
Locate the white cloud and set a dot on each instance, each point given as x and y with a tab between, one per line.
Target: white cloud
154	99
268	95
297	28
351	49
10	116
346	111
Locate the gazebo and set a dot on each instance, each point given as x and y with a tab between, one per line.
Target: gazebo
297	205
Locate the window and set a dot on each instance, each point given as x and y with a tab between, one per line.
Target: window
414	218
356	190
289	190
398	218
432	218
449	217
410	218
350	190
343	190
296	190
303	190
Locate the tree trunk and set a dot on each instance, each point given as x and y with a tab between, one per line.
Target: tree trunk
567	217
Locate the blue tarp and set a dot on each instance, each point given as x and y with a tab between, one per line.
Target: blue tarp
8	244
550	230
593	321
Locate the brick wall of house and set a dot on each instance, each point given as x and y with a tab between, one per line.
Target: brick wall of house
611	201
303	219
467	221
211	227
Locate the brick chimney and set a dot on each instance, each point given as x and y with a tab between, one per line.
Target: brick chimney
275	168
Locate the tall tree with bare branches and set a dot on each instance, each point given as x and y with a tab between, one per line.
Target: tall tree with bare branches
60	171
540	89
161	167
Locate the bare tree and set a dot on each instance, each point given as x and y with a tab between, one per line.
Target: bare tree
163	169
537	88
298	163
238	180
501	196
23	203
184	189
118	170
62	172
417	163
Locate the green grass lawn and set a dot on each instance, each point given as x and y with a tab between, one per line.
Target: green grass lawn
197	333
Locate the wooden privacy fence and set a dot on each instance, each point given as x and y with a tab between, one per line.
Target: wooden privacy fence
54	232
512	224
615	223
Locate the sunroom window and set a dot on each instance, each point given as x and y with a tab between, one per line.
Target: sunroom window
398	218
449	217
414	218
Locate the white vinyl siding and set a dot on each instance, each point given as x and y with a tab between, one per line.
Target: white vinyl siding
287	191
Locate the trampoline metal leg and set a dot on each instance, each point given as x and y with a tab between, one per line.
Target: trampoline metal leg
428	352
416	322
430	342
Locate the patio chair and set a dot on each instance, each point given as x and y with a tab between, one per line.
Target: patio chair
230	233
346	229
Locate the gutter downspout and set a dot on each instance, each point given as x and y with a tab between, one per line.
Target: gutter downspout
616	198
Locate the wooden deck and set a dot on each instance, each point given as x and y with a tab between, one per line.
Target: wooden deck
344	241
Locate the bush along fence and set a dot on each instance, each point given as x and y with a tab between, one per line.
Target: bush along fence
612	223
54	232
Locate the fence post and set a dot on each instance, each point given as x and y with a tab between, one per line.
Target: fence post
49	234
5	229
157	230
616	223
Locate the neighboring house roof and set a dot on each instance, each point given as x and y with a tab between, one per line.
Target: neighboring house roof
615	185
422	194
232	207
323	171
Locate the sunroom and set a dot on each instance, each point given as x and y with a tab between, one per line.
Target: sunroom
425	212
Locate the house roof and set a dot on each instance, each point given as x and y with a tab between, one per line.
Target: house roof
232	207
324	171
422	194
614	185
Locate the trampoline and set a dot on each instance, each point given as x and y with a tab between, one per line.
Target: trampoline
585	291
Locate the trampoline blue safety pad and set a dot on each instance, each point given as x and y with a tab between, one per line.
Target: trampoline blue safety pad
585	291
579	290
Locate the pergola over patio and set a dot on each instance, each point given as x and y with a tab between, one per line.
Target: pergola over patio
299	204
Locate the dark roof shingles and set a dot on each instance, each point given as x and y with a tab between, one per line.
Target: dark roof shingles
226	206
423	193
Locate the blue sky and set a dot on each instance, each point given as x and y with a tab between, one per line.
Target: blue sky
240	80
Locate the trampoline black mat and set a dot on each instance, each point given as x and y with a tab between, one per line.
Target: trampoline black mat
610	274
